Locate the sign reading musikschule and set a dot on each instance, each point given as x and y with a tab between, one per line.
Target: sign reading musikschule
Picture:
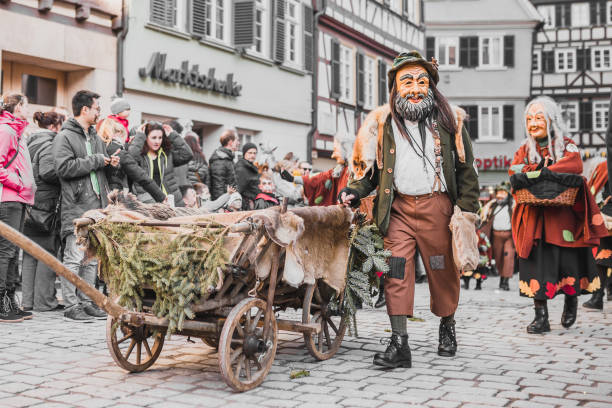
189	77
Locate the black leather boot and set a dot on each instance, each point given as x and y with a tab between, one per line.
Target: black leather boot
396	355
466	282
609	286
381	301
596	300
447	340
15	306
570	310
504	283
540	322
478	284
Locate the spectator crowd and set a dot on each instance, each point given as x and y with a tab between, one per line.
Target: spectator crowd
68	165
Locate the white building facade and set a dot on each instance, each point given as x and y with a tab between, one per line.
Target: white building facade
484	51
222	64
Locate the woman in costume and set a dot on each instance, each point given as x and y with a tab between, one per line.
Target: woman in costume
553	242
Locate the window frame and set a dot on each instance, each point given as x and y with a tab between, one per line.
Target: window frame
444	64
576	108
212	22
603	110
481	40
295	23
550	15
565	51
586	14
347	72
536	56
369	79
490	137
262	6
601	49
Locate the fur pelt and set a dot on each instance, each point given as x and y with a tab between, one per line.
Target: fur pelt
316	242
368	145
465	240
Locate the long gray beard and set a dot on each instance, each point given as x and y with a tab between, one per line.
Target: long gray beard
414	112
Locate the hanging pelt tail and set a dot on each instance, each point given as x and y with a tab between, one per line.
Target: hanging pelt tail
460	116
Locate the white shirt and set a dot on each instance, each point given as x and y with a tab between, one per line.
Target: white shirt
501	221
409	175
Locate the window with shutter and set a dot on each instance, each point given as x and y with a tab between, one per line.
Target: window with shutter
360	79
244	23
279	30
198	18
261	36
598	12
509	50
471	121
508	122
382	82
163	12
430	47
308	38
600	58
293	34
335	69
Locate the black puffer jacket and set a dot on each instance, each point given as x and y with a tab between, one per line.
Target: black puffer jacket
130	173
40	146
73	167
222	173
197	172
179	154
247	178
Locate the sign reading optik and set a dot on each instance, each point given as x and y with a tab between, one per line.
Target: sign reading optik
189	77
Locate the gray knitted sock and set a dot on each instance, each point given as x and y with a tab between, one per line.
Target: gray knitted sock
398	324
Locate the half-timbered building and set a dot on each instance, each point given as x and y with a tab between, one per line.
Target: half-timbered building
572	62
484	51
357	41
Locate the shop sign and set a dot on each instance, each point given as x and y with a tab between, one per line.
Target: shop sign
156	69
493	163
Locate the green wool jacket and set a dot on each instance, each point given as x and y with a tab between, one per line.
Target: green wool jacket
461	179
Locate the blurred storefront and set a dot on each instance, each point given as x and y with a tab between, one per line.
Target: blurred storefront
51	49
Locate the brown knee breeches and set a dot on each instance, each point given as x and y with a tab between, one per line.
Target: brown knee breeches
421	221
503	253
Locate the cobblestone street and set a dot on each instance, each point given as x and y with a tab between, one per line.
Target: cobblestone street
52	363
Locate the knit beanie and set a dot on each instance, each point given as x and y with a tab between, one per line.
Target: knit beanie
119	105
248	146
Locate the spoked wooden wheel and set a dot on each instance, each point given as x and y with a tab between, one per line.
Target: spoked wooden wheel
133	348
326	343
245	355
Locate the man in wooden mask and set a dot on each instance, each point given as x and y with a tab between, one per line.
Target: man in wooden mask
423	166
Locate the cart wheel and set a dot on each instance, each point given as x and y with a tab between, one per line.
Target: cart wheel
316	309
245	356
122	339
211	342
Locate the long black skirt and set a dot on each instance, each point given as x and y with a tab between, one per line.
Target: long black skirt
551	269
604	253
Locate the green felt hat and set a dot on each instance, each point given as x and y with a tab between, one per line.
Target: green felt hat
408	58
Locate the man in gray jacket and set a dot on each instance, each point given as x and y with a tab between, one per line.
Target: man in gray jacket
80	159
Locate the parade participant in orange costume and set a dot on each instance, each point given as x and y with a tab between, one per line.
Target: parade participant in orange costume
552	242
598	182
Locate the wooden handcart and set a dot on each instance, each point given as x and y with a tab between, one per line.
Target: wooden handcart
239	319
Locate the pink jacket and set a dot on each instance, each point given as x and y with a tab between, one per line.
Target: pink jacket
16	181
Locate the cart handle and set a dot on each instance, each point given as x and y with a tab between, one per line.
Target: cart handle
45	257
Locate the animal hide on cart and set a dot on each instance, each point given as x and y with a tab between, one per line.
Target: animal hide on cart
316	242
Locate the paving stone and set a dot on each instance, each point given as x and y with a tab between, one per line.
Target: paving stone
51	363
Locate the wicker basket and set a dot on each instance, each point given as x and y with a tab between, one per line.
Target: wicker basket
566	198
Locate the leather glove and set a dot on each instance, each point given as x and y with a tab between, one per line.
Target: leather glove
285	175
